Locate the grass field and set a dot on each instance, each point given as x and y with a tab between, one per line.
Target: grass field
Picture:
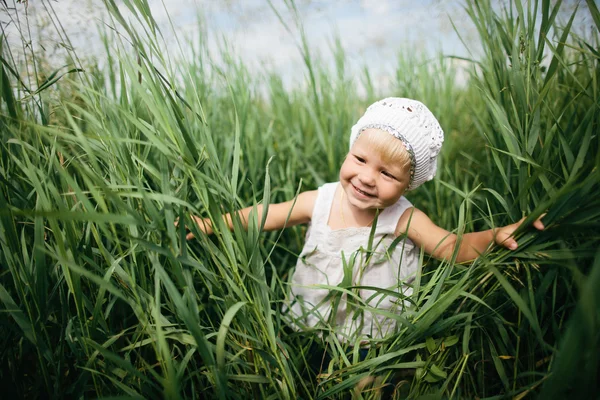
101	295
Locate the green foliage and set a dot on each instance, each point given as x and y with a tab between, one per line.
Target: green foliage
101	295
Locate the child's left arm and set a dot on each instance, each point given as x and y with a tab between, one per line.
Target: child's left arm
441	244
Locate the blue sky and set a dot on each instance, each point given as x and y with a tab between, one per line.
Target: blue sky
252	28
372	32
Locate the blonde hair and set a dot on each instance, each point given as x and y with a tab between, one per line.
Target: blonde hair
389	148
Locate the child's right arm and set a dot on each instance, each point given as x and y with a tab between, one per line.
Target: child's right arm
296	211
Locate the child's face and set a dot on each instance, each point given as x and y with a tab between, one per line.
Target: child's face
369	181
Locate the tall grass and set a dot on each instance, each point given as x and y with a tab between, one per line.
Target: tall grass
102	296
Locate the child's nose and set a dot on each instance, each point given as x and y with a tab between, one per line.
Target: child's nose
367	178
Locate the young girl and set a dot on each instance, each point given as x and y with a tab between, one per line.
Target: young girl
362	245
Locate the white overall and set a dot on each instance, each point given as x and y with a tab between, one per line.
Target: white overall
353	314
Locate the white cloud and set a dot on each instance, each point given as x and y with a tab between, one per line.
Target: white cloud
375	7
371	31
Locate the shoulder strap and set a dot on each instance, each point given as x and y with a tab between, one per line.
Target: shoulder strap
390	216
323	202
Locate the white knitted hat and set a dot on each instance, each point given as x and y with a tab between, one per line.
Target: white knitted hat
412	123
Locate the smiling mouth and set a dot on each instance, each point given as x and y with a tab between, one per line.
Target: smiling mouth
362	191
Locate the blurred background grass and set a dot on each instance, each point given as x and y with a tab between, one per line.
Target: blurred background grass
102	296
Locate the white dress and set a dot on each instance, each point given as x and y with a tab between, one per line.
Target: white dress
353	314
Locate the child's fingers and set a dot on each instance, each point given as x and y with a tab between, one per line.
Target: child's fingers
538	224
504	238
199	222
189	235
510	243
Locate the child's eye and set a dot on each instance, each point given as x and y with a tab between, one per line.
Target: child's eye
385	173
359	159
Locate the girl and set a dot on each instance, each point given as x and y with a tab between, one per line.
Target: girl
362	245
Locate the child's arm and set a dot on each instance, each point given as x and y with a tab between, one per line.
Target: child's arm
299	211
440	243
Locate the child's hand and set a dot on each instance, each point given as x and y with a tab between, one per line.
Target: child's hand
504	236
202	224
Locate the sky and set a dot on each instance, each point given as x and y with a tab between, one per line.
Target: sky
372	32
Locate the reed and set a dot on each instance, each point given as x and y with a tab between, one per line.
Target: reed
103	297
